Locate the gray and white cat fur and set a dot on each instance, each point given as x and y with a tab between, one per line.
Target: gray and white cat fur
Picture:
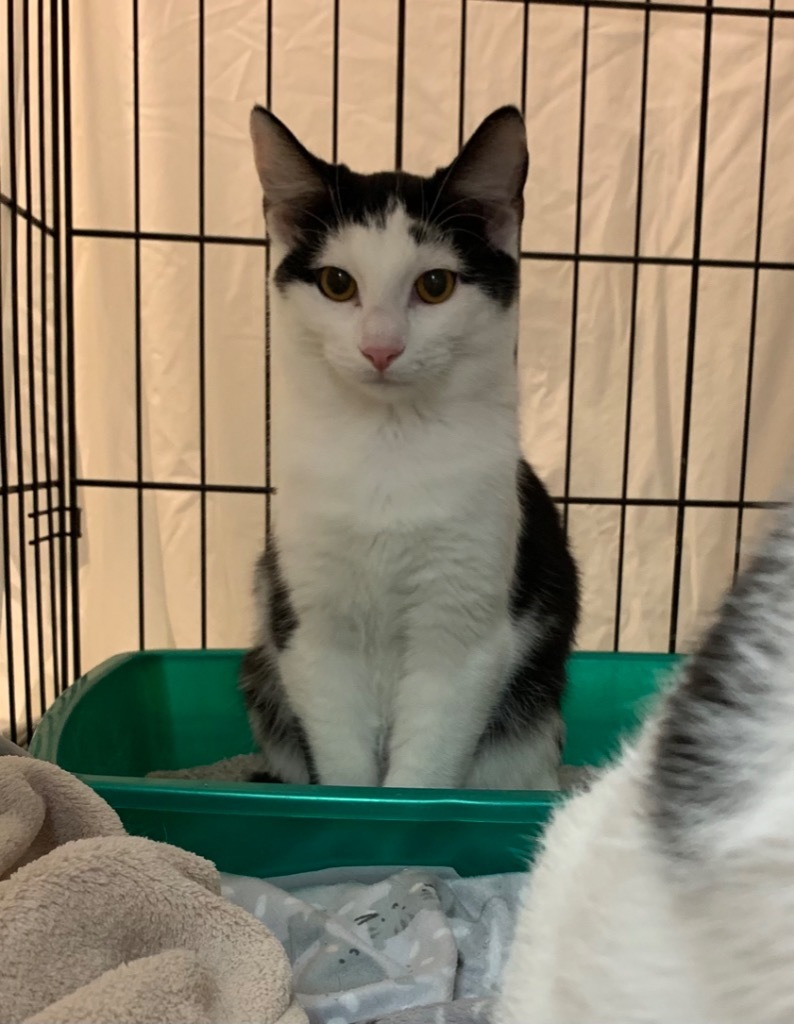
665	894
416	599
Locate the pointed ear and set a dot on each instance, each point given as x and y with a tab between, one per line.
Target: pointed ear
491	170
290	175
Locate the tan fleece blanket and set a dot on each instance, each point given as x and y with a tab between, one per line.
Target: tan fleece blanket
98	927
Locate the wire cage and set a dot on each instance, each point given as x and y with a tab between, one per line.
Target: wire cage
135	380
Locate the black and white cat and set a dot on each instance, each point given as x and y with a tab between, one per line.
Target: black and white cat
665	894
417	599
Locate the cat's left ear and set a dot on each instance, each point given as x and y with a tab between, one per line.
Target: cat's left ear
491	169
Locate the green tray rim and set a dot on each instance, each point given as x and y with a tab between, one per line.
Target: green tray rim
237	798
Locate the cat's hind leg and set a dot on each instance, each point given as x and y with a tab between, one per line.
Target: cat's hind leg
276	729
528	761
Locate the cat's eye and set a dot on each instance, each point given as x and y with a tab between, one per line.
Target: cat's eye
435	286
336	284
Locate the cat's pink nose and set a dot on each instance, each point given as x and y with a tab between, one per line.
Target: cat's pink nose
381	356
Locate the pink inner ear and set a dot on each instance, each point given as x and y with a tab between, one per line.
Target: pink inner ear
279	222
503	227
280	217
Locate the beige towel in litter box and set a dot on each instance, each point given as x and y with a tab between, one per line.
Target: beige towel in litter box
98	927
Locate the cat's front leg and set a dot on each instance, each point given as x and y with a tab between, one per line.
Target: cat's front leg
327	689
443	704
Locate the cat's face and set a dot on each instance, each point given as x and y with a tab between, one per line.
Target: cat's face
397	282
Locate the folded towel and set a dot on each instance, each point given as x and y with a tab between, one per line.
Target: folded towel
98	926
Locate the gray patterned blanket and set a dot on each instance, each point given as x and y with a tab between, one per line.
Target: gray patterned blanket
415	947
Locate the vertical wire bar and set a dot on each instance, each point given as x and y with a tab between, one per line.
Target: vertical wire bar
31	362
58	66
525	59
692	328
462	76
269	68
575	281
5	493
45	357
400	102
16	382
136	106
759	226
635	280
71	376
269	103
335	89
202	354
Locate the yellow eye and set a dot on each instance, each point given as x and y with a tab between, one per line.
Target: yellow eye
336	284
435	286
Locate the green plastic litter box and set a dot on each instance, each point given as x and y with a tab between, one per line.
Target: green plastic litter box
136	713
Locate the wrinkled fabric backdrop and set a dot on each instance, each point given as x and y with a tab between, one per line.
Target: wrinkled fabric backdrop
236	73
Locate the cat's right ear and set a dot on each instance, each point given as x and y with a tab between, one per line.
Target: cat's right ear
290	176
491	169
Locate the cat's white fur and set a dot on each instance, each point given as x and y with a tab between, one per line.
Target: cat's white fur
447	516
629	918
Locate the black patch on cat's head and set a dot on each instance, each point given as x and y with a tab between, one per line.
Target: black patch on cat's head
475	204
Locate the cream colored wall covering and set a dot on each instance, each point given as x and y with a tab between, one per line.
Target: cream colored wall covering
498	63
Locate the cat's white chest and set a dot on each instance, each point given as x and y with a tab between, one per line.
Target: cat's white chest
391	477
360	522
347	559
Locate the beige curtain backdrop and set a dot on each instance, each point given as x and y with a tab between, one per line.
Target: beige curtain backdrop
301	75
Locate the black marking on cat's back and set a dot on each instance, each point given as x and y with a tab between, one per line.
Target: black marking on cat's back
545	573
274	721
276	724
544	595
690	771
701	768
270	581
